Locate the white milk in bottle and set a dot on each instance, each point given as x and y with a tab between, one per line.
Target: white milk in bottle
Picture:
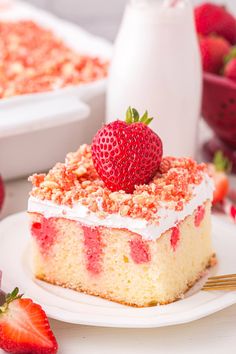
156	66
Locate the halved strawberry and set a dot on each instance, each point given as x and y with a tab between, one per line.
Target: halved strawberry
24	327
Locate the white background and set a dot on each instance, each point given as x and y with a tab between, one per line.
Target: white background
101	17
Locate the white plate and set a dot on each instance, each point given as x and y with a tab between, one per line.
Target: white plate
70	306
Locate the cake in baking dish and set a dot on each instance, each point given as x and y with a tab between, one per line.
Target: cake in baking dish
141	248
34	60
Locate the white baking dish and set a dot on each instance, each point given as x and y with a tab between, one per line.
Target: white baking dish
37	130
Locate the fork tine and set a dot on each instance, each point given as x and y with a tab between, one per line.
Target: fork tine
223	281
220	282
219	287
223	276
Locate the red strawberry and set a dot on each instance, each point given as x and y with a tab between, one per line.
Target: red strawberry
213	50
230	70
211	18
221	187
127	153
2	193
24	327
218	170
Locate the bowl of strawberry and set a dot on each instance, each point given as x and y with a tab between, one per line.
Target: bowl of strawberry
216	28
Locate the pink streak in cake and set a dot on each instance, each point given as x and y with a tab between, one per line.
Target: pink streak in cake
175	236
139	250
93	249
199	215
44	233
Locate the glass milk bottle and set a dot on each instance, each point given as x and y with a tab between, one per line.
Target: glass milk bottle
156	66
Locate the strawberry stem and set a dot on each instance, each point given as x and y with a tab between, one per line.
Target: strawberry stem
230	55
132	116
9	298
221	162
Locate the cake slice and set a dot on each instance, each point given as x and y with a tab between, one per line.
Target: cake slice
141	248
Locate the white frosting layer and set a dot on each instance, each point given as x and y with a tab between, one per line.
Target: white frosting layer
168	217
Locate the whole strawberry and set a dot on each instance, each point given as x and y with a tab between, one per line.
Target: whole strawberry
230	70
213	50
230	65
219	169
24	327
126	154
214	19
2	193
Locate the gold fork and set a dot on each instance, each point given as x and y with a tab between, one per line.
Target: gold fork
220	282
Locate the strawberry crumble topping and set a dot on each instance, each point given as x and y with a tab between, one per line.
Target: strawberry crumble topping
76	181
34	60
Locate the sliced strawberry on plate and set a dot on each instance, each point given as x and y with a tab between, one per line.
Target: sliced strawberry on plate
24	327
126	154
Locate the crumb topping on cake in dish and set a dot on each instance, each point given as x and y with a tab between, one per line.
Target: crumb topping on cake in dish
76	180
34	60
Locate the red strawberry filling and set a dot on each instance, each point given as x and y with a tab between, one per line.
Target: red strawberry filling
199	215
45	233
93	249
139	251
175	237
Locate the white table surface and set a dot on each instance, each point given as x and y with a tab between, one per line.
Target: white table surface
214	334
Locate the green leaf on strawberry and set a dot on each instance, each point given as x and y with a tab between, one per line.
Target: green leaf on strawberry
9	298
135	115
129	117
132	116
219	169
231	55
221	162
